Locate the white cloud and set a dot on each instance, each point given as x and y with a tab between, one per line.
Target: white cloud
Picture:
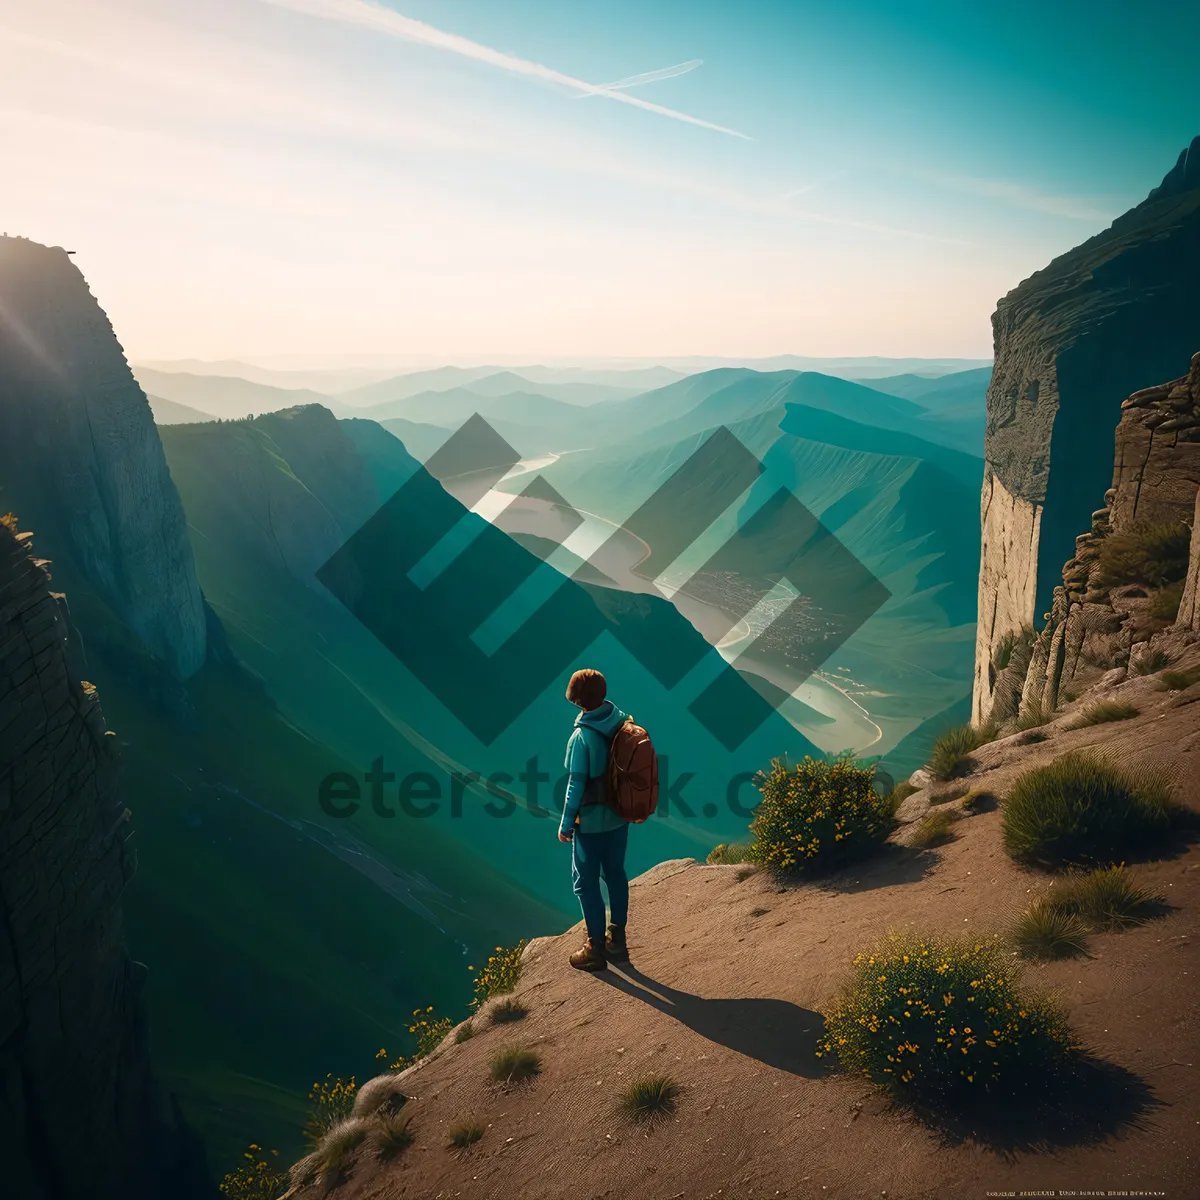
644	78
384	20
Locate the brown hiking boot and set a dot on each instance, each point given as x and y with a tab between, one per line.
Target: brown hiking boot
614	945
590	958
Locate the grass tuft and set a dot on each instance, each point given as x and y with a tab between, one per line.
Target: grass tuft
1153	663
392	1134
1102	712
1033	717
335	1151
951	753
1156	555
1046	932
650	1099
512	1064
934	830
464	1135
1165	605
728	854
1108	899
1177	681
507	1011
1082	809
465	1033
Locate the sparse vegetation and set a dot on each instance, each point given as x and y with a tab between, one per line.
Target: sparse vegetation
1104	711
1107	899
259	1177
331	1102
501	973
1082	809
464	1135
1156	555
1033	716
1151	664
816	815
466	1032
902	791
1177	681
728	853
1003	653
511	1064
941	1022
1165	605
1046	932
952	751
507	1011
392	1134
934	830
428	1031
335	1151
978	800
650	1099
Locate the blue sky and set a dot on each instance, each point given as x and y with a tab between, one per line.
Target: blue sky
447	179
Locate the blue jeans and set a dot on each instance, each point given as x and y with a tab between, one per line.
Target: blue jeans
593	855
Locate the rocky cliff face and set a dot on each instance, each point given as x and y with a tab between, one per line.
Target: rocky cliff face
79	447
80	1115
1071	343
1112	612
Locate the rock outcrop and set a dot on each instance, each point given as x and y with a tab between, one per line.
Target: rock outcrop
81	457
81	1117
1071	342
1112	611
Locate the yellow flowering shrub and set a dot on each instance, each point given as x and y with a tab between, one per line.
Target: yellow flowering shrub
940	1020
428	1031
258	1178
332	1101
501	973
816	814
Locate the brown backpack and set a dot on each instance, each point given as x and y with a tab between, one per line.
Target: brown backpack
631	789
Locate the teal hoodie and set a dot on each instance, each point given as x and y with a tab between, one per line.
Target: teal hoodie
587	758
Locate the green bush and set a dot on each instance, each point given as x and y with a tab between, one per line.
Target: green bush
934	830
943	1022
1102	712
1156	555
816	815
1046	932
951	753
1107	899
510	1064
650	1099
1081	809
728	854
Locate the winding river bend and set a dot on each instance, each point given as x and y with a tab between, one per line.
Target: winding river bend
821	706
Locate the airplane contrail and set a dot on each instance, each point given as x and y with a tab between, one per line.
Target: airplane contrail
369	15
646	77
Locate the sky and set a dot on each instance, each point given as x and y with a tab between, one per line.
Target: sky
458	180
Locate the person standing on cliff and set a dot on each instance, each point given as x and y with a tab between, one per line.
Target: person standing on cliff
597	833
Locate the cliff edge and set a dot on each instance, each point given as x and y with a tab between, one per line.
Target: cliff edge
81	1117
1071	342
80	453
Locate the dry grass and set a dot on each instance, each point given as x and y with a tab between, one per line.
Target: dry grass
1046	932
464	1135
507	1011
934	830
1102	712
513	1064
650	1099
392	1134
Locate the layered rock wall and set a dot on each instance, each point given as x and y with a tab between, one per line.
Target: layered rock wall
1100	623
77	433
1071	343
80	1115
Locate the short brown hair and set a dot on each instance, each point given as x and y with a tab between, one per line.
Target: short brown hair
587	689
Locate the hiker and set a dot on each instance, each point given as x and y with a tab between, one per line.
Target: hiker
598	835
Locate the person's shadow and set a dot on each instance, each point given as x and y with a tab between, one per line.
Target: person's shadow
775	1032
